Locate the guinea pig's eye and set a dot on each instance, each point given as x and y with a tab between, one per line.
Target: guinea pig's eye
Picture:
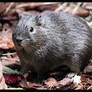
31	29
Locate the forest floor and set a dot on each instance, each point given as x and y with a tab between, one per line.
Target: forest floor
9	61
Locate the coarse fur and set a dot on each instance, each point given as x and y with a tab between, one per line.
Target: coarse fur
44	42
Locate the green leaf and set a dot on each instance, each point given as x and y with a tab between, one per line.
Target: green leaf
9	70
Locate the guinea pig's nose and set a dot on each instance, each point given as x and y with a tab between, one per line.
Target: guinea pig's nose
18	41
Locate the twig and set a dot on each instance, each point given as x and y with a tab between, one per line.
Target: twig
67	9
83	5
34	4
17	8
8	8
21	11
76	8
89	23
9	54
47	3
61	7
89	87
4	58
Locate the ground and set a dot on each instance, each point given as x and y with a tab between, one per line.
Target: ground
9	61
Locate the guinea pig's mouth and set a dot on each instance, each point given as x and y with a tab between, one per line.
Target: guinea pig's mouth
25	43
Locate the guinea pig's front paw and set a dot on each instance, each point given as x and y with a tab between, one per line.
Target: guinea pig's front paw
75	77
71	75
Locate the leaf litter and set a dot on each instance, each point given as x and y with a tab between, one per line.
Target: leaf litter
10	78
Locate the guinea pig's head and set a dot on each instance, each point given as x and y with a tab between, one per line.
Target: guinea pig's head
31	31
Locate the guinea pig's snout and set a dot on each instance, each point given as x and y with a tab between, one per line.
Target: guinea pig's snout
19	41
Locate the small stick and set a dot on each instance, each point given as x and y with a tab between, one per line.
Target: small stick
4	58
34	4
76	8
89	87
61	7
89	23
9	54
67	9
9	7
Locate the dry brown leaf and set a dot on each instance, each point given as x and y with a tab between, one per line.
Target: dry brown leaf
65	81
66	84
23	84
51	82
6	40
33	85
2	80
3	6
80	12
79	87
36	86
9	59
89	81
88	5
88	69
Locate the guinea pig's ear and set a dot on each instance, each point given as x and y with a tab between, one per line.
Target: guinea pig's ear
21	15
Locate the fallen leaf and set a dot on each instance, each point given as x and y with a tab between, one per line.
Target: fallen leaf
6	40
8	70
12	79
65	81
79	87
66	84
51	82
2	80
33	85
88	69
23	83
